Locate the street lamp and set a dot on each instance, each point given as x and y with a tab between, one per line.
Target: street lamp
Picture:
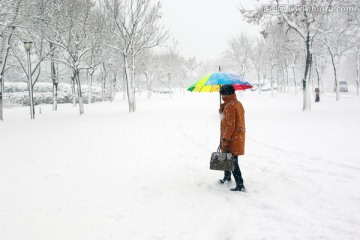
28	46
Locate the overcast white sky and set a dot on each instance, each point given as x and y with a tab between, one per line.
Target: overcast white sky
203	27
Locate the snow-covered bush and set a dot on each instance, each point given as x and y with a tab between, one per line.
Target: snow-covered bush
17	94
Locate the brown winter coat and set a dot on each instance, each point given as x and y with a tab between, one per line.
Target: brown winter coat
233	125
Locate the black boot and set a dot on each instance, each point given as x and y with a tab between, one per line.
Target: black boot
224	180
227	177
240	188
238	178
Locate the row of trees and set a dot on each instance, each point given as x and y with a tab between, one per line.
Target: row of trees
112	40
104	38
306	35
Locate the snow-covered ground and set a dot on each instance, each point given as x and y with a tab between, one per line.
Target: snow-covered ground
113	175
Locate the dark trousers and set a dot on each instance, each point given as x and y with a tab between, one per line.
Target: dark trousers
317	98
236	173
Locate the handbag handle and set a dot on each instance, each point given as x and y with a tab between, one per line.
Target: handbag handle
219	148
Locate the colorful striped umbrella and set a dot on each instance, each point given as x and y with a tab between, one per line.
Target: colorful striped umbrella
213	82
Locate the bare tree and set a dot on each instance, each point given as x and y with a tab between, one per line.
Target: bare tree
39	53
302	20
257	57
9	12
99	53
186	67
47	17
280	42
35	18
238	54
103	77
135	27
148	66
320	59
338	34
273	62
72	38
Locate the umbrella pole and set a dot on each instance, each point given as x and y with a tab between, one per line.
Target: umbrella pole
220	86
220	95
220	107
220	119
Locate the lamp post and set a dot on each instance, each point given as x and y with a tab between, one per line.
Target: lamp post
28	46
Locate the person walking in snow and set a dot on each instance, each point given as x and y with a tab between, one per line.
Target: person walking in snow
317	95
232	133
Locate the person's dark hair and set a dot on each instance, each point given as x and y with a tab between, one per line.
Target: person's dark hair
227	90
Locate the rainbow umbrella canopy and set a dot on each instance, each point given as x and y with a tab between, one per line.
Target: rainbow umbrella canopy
213	82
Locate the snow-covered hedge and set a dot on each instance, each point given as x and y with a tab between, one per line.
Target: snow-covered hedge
18	94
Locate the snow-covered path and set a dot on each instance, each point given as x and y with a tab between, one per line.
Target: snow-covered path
113	175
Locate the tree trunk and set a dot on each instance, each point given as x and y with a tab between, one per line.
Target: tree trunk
318	74
113	87
305	81
182	87
169	80
133	77
90	82
55	102
1	95
148	85
335	60
2	88
90	86
272	81
263	82
357	72
1	98
54	78
77	87
295	84
4	53
124	87
258	77
30	87
73	90
293	70
286	76
80	97
103	82
129	85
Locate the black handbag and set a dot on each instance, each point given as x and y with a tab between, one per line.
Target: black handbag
222	161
